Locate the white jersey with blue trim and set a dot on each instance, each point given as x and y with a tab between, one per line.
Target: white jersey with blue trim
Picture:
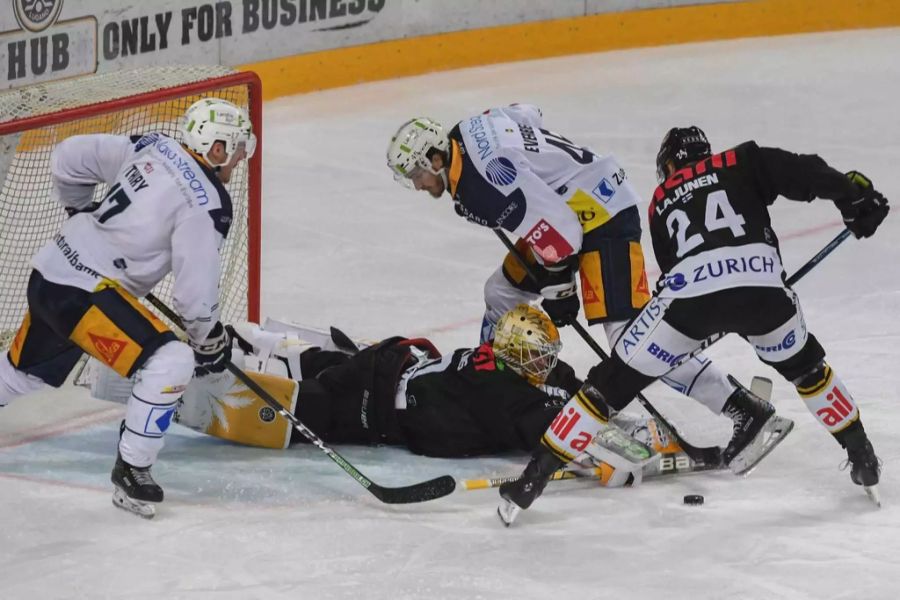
164	212
507	171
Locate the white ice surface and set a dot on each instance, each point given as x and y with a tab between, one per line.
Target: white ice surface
343	244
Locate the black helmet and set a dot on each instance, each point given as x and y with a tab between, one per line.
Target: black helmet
681	146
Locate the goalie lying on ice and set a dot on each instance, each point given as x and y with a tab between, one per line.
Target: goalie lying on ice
497	397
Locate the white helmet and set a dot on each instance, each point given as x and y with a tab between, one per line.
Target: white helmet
410	146
528	342
210	120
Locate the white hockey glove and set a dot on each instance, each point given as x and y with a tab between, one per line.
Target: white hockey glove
211	355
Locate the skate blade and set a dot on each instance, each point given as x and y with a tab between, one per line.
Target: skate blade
873	494
121	500
773	433
508	510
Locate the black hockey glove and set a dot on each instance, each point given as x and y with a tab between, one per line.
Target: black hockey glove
863	215
213	353
560	295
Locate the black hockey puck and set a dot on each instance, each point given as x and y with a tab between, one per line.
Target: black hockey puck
693	499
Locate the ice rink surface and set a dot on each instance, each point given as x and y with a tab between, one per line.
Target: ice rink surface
344	245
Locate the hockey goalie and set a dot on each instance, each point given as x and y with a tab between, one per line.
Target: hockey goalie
497	397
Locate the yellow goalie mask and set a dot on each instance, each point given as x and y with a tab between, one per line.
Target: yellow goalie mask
528	342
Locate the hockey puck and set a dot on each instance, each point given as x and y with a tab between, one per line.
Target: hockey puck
693	499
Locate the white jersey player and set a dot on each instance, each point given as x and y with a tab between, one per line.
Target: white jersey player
574	212
166	210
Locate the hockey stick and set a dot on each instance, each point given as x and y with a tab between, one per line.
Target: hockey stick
704	455
562	474
419	492
582	473
592	473
821	254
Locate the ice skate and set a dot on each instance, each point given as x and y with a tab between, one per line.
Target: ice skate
757	430
865	468
136	491
520	494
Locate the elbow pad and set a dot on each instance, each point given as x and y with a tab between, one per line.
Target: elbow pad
76	196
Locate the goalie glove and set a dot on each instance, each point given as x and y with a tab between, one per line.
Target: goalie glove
212	354
863	214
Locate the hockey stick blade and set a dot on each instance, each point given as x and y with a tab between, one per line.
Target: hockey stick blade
710	455
419	492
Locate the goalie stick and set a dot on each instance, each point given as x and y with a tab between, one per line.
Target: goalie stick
418	492
597	473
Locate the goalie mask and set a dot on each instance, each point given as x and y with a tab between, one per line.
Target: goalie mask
528	341
681	146
212	120
412	147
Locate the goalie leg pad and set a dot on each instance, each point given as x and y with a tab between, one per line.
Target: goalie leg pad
575	426
221	406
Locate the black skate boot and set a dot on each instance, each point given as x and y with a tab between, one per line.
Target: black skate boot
135	489
865	467
757	429
520	494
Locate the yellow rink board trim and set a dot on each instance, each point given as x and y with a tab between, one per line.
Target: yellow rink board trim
595	33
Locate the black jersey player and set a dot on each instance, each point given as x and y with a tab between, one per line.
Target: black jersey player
722	272
496	397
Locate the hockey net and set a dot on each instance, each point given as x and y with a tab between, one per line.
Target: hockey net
34	119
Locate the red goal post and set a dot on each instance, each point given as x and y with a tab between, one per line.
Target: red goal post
35	118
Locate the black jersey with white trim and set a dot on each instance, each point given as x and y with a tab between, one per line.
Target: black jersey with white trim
710	224
481	405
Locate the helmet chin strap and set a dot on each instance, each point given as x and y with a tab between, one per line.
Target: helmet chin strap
444	178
